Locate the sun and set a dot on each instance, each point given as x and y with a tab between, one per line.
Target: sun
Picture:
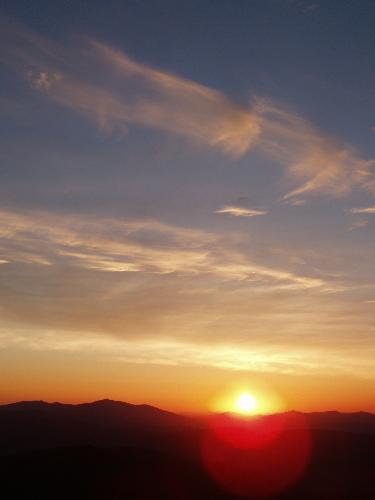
245	403
247	398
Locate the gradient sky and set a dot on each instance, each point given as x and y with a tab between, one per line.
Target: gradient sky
187	199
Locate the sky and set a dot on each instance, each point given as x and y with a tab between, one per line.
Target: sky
187	201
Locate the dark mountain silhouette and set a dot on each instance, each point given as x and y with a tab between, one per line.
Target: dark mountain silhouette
112	450
358	422
29	425
104	412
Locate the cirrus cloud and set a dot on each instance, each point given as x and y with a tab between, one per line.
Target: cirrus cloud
115	91
240	211
133	246
363	210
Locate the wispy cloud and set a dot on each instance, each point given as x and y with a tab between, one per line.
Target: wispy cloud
149	292
304	7
295	201
115	91
324	165
177	105
287	359
363	210
132	92
240	211
147	246
358	225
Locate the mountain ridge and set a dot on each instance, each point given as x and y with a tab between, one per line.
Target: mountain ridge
107	402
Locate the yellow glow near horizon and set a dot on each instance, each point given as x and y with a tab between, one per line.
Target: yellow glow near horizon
245	403
247	398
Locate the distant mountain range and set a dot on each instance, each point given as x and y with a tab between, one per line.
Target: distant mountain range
111	450
28	425
103	412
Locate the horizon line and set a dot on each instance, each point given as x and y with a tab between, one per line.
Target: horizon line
186	413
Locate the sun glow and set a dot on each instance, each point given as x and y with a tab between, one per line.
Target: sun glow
247	397
245	403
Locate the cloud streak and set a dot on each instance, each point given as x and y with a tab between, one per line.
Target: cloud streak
132	93
143	246
358	225
321	163
135	93
264	359
240	211
363	210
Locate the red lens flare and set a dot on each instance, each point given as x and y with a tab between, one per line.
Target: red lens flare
260	456
245	432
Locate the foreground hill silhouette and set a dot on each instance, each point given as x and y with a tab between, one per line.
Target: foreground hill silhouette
114	450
